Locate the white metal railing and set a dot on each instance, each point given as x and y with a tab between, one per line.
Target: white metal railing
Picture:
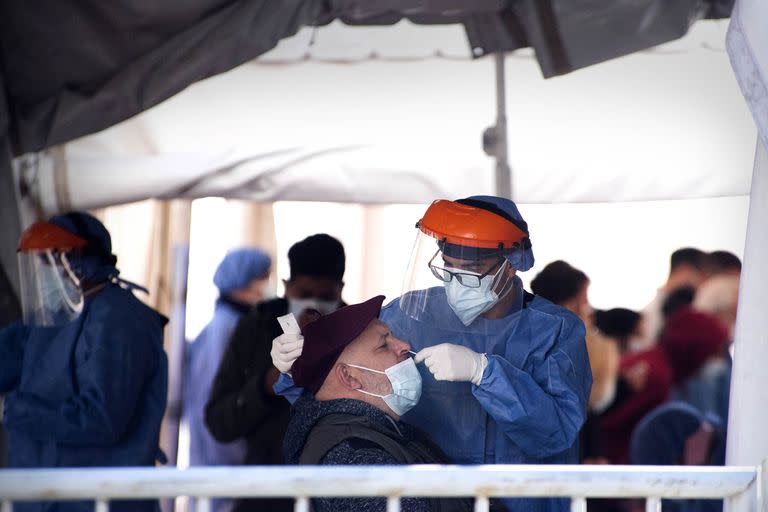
393	482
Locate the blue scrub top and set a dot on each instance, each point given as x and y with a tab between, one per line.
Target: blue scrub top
89	393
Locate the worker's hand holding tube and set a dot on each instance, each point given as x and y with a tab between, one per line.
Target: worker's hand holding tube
455	363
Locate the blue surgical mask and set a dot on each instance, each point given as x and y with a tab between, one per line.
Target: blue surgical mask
325	307
406	385
469	303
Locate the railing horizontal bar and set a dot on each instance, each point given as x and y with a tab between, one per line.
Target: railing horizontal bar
287	481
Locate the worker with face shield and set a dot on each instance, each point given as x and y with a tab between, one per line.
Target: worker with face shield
505	374
84	374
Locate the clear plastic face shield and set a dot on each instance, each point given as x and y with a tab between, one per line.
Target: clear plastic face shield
50	290
459	288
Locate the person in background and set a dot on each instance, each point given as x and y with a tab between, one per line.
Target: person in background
506	376
723	262
241	278
85	372
677	434
625	326
709	390
359	379
690	340
567	286
687	267
242	403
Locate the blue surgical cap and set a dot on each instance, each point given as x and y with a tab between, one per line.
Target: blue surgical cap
521	259
241	266
95	262
86	226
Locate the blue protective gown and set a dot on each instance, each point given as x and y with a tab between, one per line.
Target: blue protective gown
205	355
89	393
531	402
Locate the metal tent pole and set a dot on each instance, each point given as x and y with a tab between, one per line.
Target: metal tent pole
748	415
503	172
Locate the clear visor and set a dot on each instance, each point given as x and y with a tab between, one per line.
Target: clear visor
50	290
460	288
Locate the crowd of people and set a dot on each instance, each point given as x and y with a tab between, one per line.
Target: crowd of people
465	367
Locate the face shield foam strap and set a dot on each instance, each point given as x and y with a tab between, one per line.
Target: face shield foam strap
463	252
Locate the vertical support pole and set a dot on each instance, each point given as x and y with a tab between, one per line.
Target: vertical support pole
747	443
301	505
482	504
578	504
203	504
503	172
393	504
652	504
176	347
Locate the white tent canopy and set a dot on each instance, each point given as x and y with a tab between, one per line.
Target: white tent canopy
390	122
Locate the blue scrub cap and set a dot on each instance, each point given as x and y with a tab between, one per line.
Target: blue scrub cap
86	226
521	259
95	262
241	266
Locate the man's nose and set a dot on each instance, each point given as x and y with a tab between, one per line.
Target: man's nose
399	346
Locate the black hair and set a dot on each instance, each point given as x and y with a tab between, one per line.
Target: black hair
617	322
318	255
676	299
722	261
559	282
688	256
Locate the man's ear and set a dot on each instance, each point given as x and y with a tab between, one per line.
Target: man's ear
344	375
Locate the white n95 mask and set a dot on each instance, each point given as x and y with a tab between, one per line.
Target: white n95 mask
406	385
324	307
469	303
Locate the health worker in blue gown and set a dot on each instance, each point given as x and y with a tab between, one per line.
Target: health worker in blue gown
84	374
506	376
241	279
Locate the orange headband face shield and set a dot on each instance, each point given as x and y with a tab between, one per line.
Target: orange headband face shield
42	236
468	232
50	291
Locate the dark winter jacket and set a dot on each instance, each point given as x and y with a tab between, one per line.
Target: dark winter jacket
310	419
242	405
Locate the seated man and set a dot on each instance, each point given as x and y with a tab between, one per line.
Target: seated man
363	380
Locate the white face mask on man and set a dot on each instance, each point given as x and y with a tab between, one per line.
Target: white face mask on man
406	385
469	303
324	307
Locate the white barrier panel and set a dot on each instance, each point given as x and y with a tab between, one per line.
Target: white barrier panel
398	481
